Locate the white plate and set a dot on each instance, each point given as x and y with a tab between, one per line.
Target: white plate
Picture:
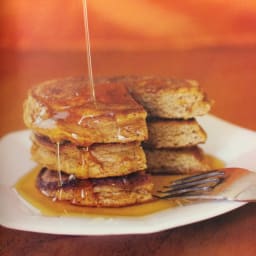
235	145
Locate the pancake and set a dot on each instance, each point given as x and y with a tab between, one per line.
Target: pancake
106	192
176	161
169	133
63	110
166	97
95	161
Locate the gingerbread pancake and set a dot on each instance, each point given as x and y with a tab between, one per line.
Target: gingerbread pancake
105	192
64	110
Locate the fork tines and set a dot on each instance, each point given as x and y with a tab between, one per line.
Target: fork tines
192	185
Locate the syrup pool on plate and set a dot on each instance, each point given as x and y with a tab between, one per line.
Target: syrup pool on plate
26	187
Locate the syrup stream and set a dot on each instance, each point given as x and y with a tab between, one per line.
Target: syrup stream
88	50
91	84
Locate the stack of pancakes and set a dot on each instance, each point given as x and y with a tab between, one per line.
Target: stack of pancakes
89	150
174	133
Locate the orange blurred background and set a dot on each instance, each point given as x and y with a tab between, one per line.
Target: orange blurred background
127	24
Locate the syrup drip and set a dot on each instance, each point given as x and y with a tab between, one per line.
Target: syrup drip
88	50
84	158
59	163
120	136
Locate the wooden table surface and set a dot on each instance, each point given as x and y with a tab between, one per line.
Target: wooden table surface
227	75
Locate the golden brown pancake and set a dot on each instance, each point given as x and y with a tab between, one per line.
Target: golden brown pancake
64	110
176	161
95	161
166	97
170	133
106	192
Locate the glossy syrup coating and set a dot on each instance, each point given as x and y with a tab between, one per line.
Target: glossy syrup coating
64	110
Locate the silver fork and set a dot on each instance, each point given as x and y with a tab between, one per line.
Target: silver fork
235	184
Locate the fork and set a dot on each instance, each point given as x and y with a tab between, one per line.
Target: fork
234	184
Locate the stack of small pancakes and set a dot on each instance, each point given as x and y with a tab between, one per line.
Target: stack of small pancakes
174	134
89	150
